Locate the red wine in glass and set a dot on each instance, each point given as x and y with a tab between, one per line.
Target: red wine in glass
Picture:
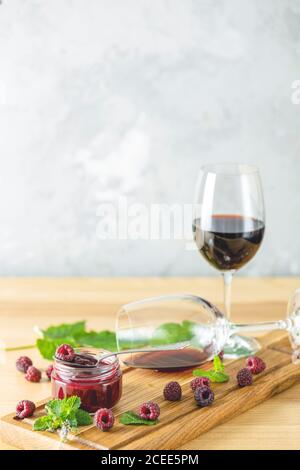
228	242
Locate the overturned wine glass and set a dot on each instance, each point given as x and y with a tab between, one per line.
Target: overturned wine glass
176	332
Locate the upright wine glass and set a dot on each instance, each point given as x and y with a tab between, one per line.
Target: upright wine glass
228	227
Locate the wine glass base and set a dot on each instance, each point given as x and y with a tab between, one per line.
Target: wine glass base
240	346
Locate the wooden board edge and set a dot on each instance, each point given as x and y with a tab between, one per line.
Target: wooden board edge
23	438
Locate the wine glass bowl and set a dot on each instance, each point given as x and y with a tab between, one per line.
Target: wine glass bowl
183	331
180	329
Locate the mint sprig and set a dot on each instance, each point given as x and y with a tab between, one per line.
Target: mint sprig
62	414
76	335
216	374
131	418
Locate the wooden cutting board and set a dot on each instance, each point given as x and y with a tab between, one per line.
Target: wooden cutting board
179	422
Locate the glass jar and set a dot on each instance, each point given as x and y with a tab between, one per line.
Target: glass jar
98	386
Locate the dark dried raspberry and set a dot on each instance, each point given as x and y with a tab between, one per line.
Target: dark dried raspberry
65	352
200	382
204	396
149	411
49	371
104	419
24	409
221	355
33	374
255	364
244	377
172	391
23	363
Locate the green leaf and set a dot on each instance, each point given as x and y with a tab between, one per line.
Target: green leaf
189	327
75	335
53	407
42	424
64	330
213	375
104	339
169	333
69	407
48	346
61	413
130	418
63	409
218	364
216	374
72	419
56	422
83	418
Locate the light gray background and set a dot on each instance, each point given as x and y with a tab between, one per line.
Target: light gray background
129	97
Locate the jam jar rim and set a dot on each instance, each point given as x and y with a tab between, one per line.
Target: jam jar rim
113	364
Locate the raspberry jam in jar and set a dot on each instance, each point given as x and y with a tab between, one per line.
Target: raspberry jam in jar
98	386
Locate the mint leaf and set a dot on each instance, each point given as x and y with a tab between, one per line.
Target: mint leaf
130	418
48	346
42	424
104	339
75	335
83	418
63	413
65	408
189	327
63	330
72	403
169	333
213	375
53	407
218	364
72	420
216	374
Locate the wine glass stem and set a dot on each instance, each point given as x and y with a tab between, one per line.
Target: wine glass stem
263	326
227	278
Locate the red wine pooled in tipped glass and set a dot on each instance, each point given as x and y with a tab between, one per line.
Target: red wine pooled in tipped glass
169	361
228	242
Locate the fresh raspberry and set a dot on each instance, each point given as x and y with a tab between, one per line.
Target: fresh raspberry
149	411
23	363
49	371
172	391
255	364
244	377
104	419
24	409
200	382
65	352
204	396
33	374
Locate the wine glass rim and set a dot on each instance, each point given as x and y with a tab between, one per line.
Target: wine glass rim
229	168
170	297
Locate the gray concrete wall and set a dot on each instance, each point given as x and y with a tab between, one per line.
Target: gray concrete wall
101	99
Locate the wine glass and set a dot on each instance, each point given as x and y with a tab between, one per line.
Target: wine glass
176	332
228	228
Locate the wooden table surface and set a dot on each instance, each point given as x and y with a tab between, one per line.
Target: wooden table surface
25	303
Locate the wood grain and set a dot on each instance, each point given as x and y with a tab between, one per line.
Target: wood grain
275	424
